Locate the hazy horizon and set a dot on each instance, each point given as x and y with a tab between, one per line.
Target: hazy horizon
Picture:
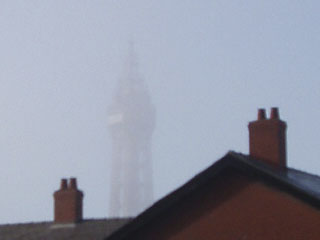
209	65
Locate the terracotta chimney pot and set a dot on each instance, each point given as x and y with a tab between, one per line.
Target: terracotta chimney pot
267	138
68	202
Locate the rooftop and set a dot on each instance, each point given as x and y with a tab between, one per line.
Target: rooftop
93	229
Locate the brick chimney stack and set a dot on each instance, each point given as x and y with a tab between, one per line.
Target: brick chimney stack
68	202
267	138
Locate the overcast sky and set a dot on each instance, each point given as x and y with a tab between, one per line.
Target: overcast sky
209	65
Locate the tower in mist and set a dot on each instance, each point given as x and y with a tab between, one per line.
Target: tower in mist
131	122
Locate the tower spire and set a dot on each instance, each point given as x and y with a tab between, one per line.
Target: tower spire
131	122
132	54
131	81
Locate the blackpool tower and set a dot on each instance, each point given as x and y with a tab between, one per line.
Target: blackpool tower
131	121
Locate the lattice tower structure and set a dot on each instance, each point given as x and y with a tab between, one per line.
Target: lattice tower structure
131	122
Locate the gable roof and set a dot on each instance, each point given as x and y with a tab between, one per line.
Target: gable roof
300	184
85	230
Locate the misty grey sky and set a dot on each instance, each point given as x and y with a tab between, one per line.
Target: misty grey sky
209	65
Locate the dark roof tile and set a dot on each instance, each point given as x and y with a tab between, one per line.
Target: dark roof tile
95	229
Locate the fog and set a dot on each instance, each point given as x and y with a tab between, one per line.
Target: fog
131	122
208	65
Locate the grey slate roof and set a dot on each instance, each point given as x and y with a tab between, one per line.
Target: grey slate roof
299	184
86	230
302	182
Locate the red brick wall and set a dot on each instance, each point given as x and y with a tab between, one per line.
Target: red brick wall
236	207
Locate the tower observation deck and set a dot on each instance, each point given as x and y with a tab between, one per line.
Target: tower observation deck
131	120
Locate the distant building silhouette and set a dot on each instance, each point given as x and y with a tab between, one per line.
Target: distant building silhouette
131	122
